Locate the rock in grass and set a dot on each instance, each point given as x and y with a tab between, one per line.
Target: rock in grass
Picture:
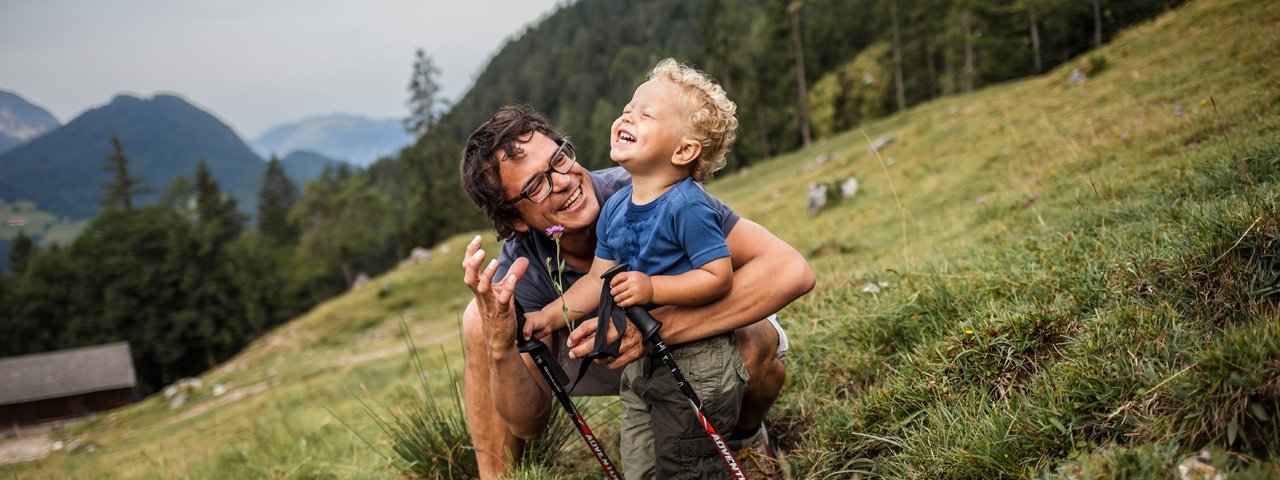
1194	469
849	187
823	194
817	197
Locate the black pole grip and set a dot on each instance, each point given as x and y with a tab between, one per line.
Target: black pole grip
525	345
640	317
613	272
539	351
644	322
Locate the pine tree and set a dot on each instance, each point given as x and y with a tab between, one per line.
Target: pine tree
126	291
212	306
216	212
44	302
20	253
179	198
274	200
119	192
424	94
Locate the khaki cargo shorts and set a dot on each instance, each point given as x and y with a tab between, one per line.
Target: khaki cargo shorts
661	436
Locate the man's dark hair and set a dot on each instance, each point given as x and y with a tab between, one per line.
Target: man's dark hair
481	177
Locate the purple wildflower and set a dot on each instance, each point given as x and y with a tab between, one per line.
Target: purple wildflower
555	231
982	200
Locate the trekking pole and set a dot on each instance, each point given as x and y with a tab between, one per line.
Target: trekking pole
556	378
649	327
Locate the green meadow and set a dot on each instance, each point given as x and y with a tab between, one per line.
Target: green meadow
43	226
1038	279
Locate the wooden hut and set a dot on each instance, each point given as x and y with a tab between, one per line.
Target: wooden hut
68	383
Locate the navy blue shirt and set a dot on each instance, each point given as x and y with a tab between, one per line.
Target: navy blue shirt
535	289
673	234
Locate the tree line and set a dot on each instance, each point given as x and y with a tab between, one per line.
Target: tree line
799	70
187	280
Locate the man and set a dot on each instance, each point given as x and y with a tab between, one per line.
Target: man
509	171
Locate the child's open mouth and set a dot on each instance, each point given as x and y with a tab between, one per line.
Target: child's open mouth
625	137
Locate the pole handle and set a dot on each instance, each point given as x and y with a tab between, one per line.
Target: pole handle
639	315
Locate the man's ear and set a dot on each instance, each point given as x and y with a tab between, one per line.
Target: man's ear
687	152
518	225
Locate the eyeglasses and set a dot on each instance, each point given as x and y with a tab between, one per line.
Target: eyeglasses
539	187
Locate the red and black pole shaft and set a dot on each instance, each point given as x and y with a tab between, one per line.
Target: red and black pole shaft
556	378
649	327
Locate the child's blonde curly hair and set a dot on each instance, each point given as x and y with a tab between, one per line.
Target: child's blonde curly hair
712	120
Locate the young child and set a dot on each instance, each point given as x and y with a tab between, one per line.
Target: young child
674	133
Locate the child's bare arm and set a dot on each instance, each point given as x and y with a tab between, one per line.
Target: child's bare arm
582	298
695	287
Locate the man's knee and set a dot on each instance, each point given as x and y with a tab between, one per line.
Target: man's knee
759	344
473	341
475	369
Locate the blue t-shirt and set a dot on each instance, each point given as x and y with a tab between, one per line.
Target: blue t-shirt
535	289
675	233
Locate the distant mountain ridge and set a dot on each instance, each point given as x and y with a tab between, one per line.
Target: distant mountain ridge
21	121
163	136
352	138
302	166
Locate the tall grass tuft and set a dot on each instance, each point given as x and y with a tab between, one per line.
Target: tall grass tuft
429	438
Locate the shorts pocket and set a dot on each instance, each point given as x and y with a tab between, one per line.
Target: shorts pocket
690	456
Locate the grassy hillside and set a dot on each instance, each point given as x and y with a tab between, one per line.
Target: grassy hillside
1074	281
287	396
1080	280
42	226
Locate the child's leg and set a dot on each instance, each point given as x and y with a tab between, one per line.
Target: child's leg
682	447
637	427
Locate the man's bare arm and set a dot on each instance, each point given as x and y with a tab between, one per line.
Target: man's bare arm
768	275
523	399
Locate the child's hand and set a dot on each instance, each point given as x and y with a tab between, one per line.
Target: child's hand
631	288
539	324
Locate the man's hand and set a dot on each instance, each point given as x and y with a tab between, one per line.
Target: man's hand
631	288
582	341
493	300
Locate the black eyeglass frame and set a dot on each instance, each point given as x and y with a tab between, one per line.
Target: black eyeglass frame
565	147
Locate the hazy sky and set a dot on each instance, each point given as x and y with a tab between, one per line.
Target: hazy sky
255	64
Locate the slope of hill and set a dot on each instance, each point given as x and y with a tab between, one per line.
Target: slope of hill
352	138
164	136
1040	279
21	121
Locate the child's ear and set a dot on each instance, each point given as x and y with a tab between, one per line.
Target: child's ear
687	152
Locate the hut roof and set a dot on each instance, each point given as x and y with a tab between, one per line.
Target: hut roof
66	373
